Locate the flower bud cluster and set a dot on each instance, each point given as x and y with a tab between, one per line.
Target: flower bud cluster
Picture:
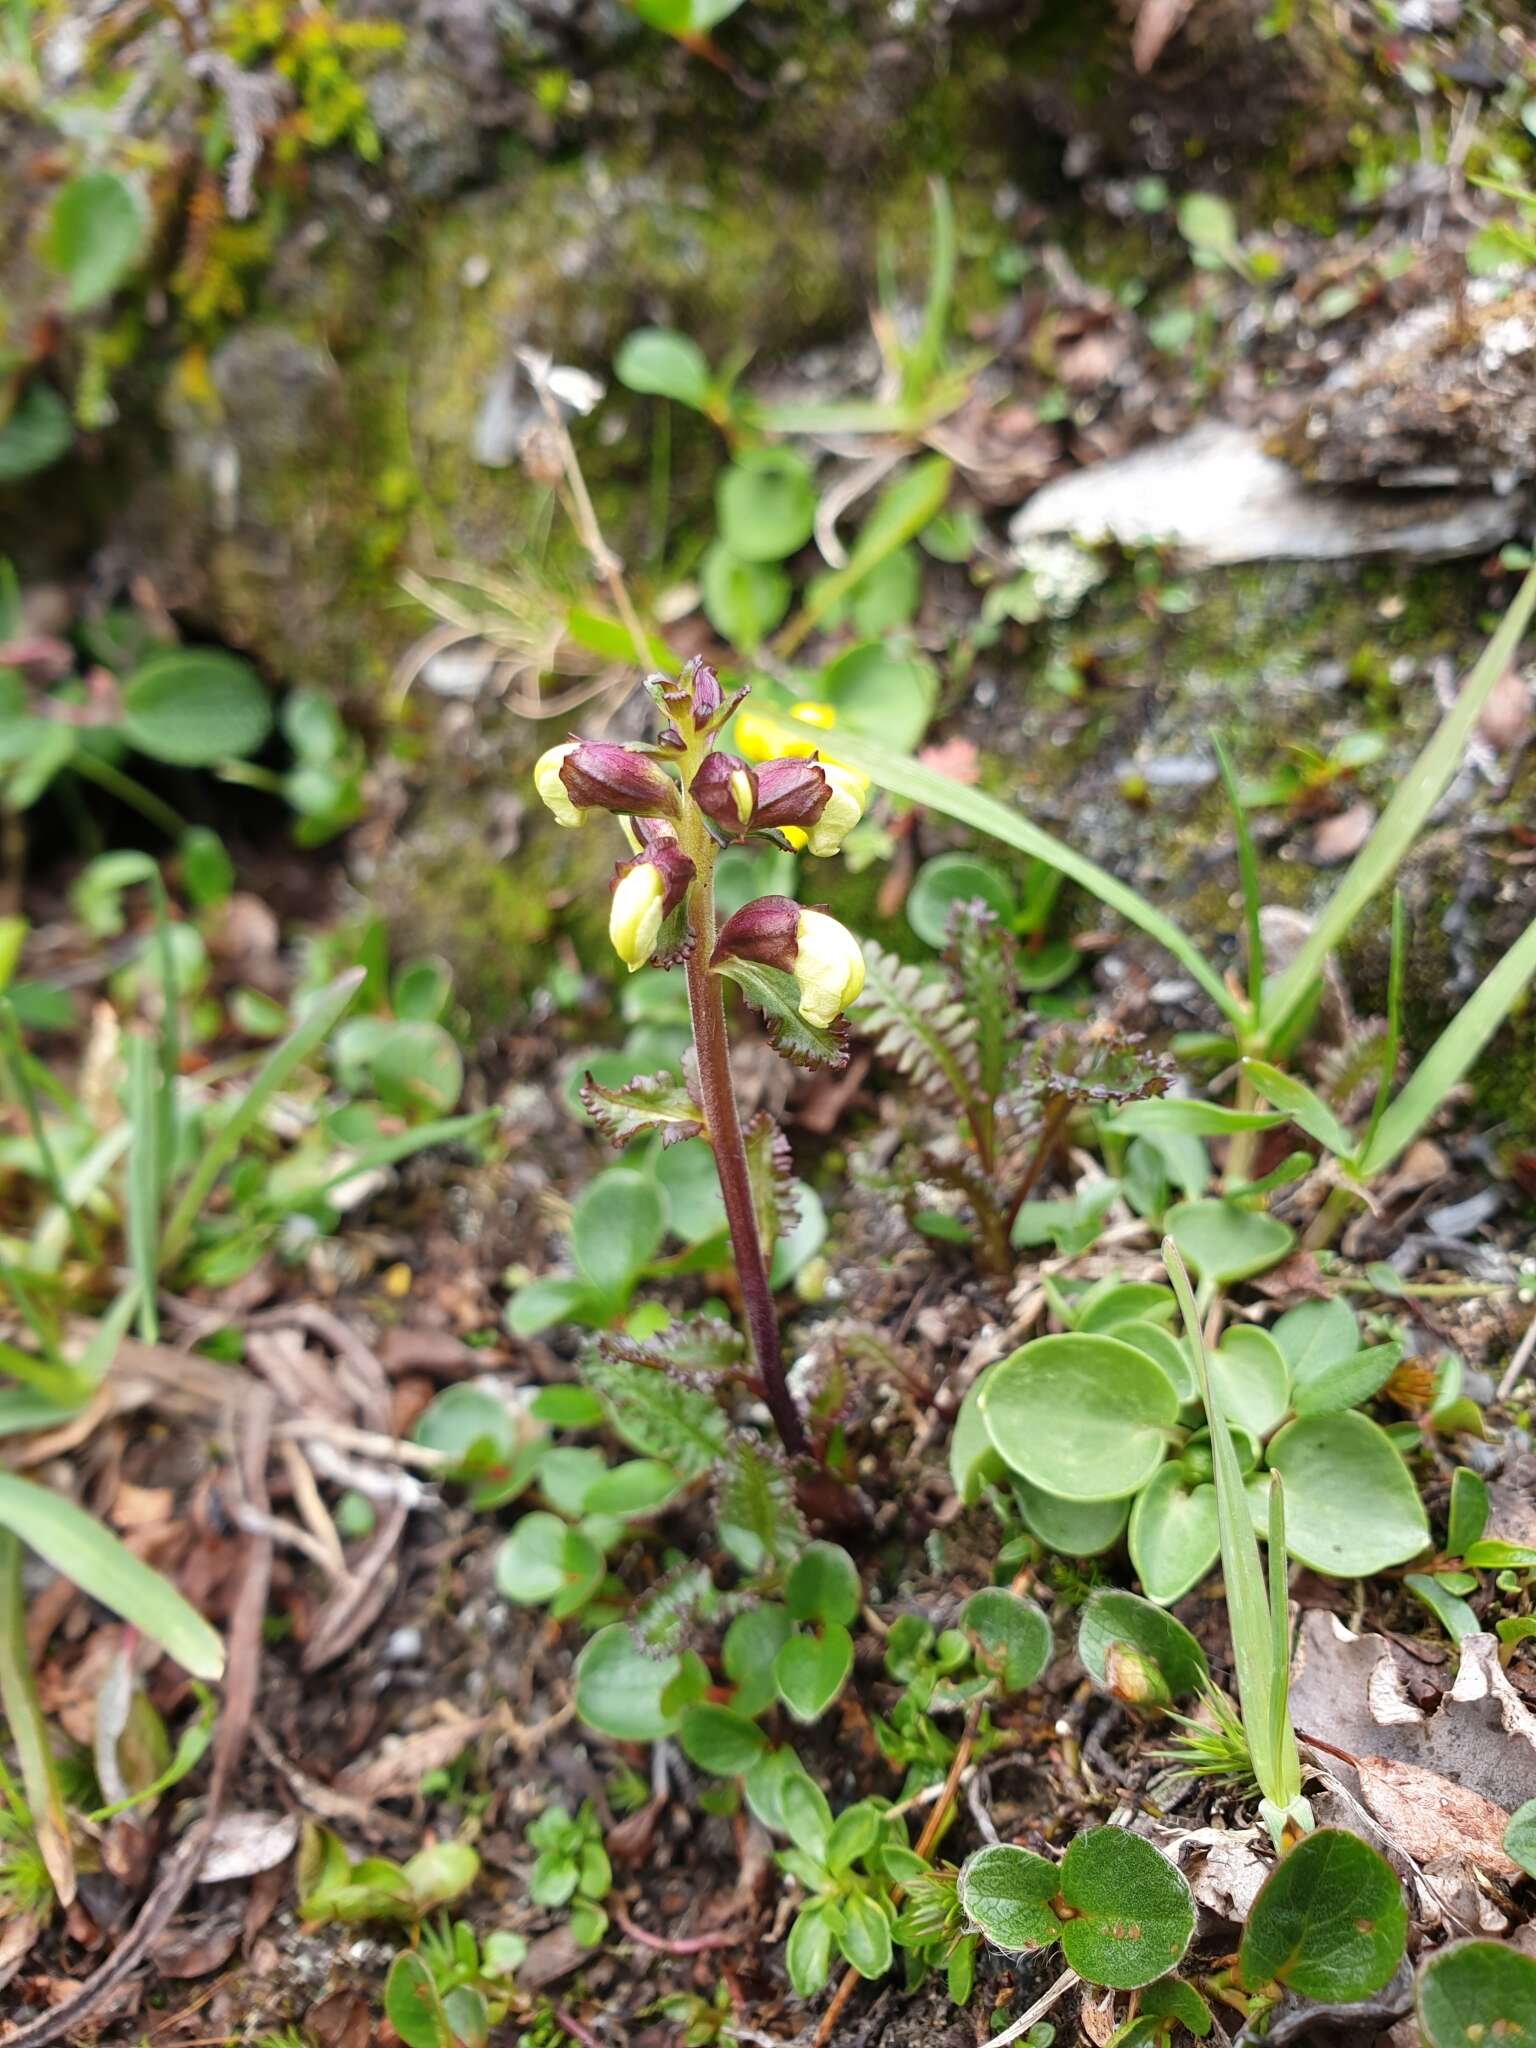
791	791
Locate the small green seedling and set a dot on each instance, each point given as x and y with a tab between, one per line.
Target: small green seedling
332	1887
846	1866
1476	1993
571	1868
451	1990
1122	1913
1163	2008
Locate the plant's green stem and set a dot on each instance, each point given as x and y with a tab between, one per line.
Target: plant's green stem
1324	1227
29	1731
1242	1145
112	779
1054	1124
717	1096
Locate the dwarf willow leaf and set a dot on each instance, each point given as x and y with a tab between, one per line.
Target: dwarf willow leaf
811	1670
1175	1533
1084	1417
1110	1304
1135	1913
1476	1994
1329	1923
1112	1618
1351	1507
1072	1528
617	1226
619	1687
1316	1335
1520	1837
719	1740
1223	1243
544	1560
1012	1635
1006	1893
1165	1350
824	1585
661	363
751	1643
951	878
766	504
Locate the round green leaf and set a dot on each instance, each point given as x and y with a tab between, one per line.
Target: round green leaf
1250	1379
973	1460
1072	1528
1351	1507
619	1687
194	706
1175	1537
1110	1303
747	1652
94	233
1478	1994
810	1671
1222	1243
1012	1635
1520	1837
720	1741
463	1418
824	1585
886	598
766	502
660	363
1165	1350
1316	1335
617	1226
1329	1924
952	878
1006	1893
637	1487
1112	1618
546	1562
881	693
743	601
1084	1417
35	433
1135	1911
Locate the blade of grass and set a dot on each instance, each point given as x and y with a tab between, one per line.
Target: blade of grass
28	1729
924	361
304	1039
1282	1740
1415	797
1248	876
904	777
1241	1568
88	1554
170	1041
145	1082
13	1058
1394	1022
903	509
1452	1053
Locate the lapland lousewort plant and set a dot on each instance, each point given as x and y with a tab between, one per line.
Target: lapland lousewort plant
680	800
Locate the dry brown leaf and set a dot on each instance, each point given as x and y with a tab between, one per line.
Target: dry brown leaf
1505	719
1428	1817
403	1760
243	1844
142	1507
1156	22
1342	836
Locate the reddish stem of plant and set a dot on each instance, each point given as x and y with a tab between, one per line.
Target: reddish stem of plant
681	1945
717	1099
1055	1121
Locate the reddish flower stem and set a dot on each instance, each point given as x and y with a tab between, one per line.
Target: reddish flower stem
681	1945
717	1099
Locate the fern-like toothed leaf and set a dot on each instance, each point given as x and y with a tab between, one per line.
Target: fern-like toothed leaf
755	1510
668	1615
777	995
651	1102
983	959
770	1169
920	1026
657	1410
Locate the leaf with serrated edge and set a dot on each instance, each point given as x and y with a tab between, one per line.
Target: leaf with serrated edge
755	1511
918	1025
651	1102
776	995
658	1411
771	1174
